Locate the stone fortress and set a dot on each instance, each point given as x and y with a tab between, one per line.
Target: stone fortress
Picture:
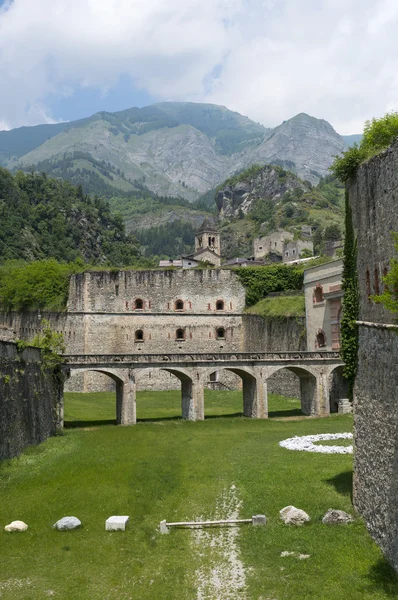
170	312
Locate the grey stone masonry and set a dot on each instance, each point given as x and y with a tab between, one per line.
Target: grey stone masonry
313	369
373	196
156	291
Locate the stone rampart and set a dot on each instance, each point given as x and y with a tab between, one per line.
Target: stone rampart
30	400
273	335
374	200
199	291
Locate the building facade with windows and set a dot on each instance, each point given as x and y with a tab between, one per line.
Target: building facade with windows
323	305
159	311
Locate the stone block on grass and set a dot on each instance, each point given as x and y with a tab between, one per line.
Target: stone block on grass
259	520
116	523
291	515
337	517
67	523
16	526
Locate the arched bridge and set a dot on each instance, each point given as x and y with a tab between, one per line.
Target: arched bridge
193	370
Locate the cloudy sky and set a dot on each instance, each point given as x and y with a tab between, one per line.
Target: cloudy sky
267	59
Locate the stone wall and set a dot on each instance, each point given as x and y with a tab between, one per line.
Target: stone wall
118	292
273	335
374	200
29	400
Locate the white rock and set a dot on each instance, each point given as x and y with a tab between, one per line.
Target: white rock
116	523
67	523
291	515
16	526
305	443
337	517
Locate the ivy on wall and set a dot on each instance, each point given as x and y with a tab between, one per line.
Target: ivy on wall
349	329
260	281
389	297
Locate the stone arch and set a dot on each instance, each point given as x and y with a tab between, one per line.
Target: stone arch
125	391
253	391
192	399
308	386
338	388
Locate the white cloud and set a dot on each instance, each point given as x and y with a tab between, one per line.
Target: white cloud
272	58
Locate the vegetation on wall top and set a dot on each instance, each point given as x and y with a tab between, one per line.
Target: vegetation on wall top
377	136
280	306
260	281
38	285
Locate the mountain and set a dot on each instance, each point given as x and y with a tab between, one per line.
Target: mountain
350	140
173	148
262	200
44	218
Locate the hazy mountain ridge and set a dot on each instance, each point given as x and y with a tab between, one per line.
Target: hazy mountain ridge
178	149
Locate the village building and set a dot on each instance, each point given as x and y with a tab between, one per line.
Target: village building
281	246
323	305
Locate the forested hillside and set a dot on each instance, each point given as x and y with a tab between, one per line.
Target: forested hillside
41	217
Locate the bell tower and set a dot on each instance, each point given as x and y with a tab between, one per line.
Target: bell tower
208	237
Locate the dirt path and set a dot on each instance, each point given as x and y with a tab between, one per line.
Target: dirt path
220	574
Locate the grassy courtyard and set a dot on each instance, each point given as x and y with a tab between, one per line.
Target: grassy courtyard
165	468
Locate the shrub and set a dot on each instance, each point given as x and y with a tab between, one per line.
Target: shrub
377	136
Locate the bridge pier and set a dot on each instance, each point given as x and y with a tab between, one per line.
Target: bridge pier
192	400
255	401
315	395
126	406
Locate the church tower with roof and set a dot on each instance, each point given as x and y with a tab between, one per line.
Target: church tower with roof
207	247
208	236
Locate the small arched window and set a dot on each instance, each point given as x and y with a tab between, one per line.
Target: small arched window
180	334
220	305
179	305
318	293
139	335
221	333
320	339
138	304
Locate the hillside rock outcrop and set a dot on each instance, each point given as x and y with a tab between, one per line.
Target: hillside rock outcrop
268	183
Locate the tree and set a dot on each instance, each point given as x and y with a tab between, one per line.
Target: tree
349	329
377	136
332	233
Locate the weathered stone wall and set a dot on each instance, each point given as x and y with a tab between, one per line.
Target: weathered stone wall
374	201
118	292
29	400
273	335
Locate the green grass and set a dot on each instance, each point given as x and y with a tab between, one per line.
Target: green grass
165	468
280	306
